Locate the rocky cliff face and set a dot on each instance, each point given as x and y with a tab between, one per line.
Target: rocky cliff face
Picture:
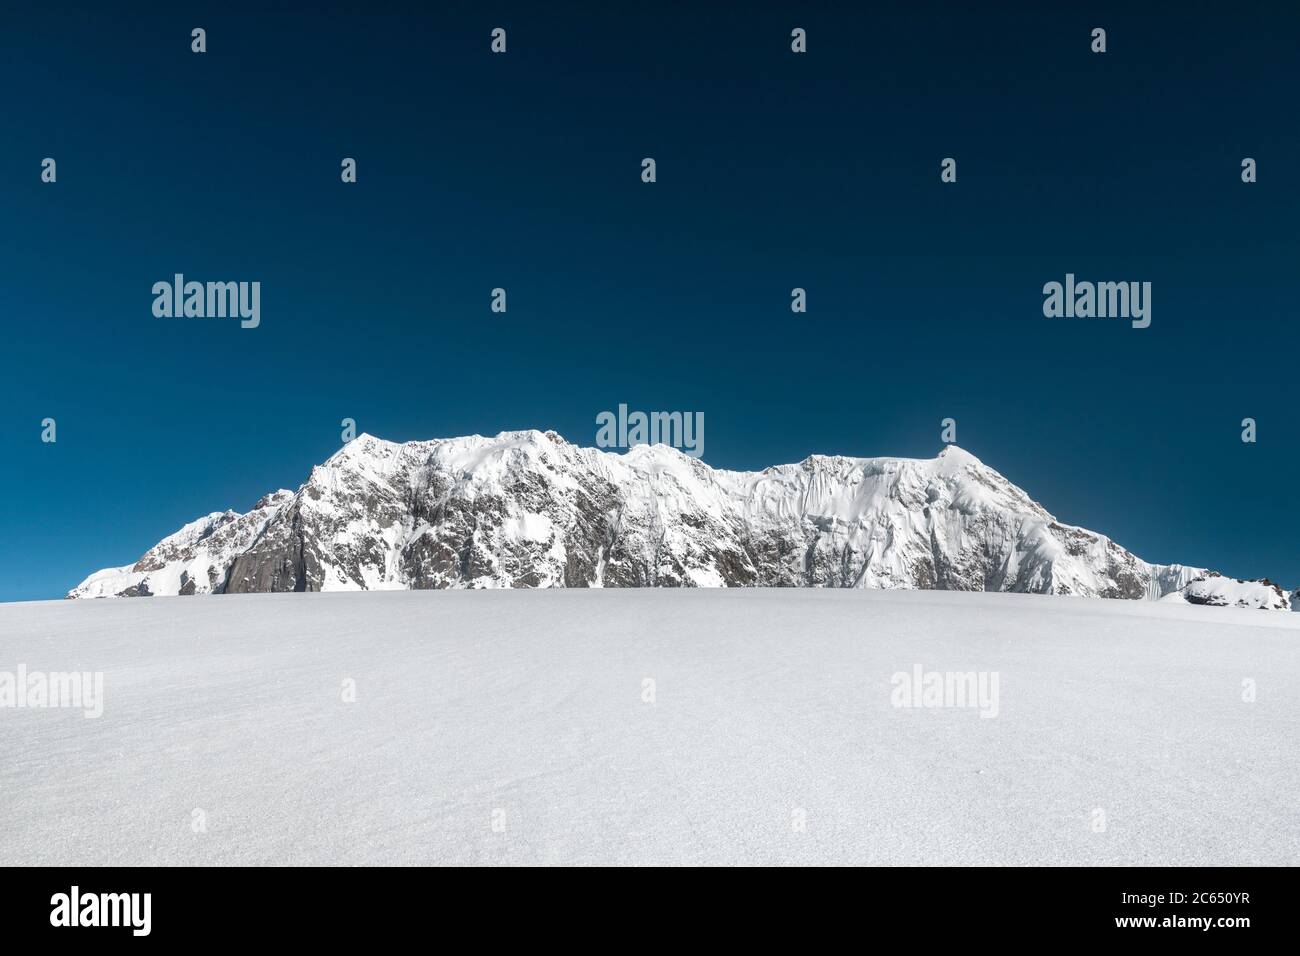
528	509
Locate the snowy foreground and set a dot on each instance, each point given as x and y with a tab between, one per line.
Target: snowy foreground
514	727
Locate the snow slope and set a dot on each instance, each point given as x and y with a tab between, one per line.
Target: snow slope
527	509
526	708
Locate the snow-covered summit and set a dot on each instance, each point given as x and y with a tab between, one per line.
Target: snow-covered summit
529	509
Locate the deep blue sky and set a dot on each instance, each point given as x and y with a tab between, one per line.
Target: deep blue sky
775	171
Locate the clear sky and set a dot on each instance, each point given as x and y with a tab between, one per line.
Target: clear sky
775	170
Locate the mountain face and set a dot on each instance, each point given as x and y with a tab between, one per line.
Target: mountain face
527	509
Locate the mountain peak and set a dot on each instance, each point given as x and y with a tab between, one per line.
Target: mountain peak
954	454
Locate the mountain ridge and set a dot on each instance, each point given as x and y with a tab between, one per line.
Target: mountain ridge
529	509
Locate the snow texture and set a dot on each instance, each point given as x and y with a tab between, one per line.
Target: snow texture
526	708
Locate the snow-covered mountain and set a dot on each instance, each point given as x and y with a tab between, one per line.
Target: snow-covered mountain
527	509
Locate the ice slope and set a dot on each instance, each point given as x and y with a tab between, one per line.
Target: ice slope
528	509
526	709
